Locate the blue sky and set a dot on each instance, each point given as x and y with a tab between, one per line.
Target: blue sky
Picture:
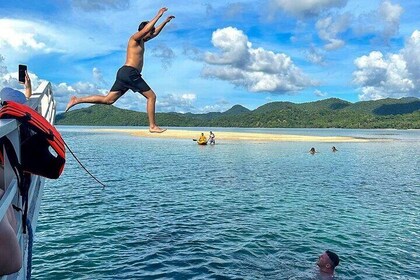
216	54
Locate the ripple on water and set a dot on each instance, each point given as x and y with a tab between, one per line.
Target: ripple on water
173	210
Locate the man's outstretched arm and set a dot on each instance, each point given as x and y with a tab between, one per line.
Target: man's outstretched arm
149	26
160	26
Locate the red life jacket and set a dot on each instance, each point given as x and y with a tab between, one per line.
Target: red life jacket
38	138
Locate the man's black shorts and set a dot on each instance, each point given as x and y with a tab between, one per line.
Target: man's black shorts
129	78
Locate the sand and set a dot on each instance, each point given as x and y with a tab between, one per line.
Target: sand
236	136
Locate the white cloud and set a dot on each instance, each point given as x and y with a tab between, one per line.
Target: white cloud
411	54
21	39
329	27
176	102
234	46
256	69
98	78
390	15
303	8
383	23
63	92
319	93
315	56
10	79
173	102
219	106
25	36
394	75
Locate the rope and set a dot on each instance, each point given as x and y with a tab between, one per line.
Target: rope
30	243
87	171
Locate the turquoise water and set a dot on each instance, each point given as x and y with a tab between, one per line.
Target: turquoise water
237	210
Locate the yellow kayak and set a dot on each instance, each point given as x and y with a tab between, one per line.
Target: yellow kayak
202	142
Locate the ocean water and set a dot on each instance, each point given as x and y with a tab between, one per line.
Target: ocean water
236	210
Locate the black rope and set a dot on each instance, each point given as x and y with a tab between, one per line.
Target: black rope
91	175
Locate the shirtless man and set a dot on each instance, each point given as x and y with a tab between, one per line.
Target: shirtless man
128	76
327	263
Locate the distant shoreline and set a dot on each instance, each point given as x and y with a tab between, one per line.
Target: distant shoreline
239	136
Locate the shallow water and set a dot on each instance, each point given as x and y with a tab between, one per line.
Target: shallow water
237	210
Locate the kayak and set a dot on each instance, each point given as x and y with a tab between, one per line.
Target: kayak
202	142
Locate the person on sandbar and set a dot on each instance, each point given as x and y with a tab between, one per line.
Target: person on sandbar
129	75
212	137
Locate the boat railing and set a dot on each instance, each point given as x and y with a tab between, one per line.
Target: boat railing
43	102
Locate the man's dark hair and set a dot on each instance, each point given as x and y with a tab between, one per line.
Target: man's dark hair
142	25
333	257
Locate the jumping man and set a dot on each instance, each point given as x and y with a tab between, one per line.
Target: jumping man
128	76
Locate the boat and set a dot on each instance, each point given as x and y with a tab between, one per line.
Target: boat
42	102
202	142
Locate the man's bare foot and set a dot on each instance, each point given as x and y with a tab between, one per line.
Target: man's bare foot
71	103
156	129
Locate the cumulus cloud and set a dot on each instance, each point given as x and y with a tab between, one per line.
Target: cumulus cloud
63	92
256	69
165	54
411	54
315	56
10	79
95	5
329	28
173	102
177	102
390	15
304	8
394	75
234	46
383	23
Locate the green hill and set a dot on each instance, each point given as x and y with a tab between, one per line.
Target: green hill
385	113
236	110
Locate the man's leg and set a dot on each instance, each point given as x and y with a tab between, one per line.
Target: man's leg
108	99
151	102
